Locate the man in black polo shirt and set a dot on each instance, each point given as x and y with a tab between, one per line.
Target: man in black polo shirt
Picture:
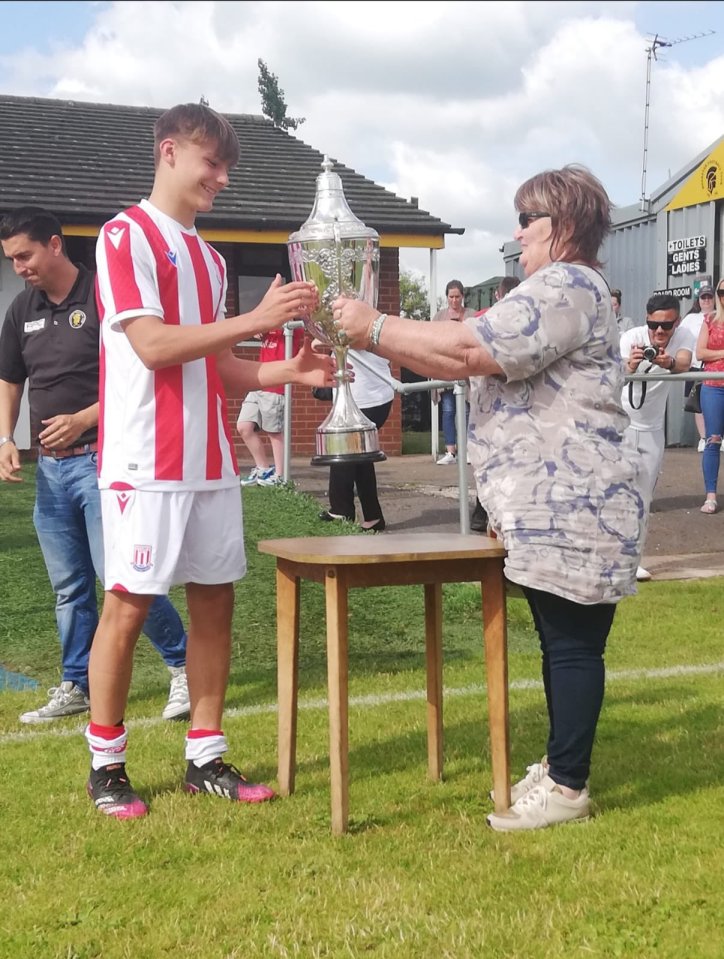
50	339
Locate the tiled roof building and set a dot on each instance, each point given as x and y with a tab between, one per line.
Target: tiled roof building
85	161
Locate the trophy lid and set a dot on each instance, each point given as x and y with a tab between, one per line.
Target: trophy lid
331	217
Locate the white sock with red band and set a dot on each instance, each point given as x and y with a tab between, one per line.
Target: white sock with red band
203	745
106	743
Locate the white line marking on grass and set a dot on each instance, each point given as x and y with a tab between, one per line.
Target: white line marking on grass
372	700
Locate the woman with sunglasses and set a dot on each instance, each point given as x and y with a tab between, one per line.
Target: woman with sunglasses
546	424
710	350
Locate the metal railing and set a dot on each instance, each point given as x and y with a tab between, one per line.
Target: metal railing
459	388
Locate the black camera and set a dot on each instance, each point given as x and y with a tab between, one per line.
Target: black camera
650	353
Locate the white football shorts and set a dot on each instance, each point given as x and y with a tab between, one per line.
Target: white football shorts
154	540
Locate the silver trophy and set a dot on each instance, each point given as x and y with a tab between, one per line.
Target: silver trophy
341	256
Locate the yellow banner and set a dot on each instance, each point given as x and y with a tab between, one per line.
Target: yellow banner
705	183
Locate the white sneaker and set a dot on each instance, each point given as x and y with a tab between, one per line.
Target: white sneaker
447	460
544	805
65	700
702	446
179	704
535	775
642	575
252	478
268	477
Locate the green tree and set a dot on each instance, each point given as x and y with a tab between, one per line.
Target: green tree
414	298
273	104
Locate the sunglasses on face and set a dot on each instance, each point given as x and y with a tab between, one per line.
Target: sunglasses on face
525	219
707	296
664	326
720	292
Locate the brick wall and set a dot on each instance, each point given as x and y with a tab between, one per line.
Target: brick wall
308	413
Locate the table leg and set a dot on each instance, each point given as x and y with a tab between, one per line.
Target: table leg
338	693
287	676
433	655
496	662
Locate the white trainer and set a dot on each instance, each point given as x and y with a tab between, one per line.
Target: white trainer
252	479
447	460
702	446
64	700
535	775
543	806
642	575
179	704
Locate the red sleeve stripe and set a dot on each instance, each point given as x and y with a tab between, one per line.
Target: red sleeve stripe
119	261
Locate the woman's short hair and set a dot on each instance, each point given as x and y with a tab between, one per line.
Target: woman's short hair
199	124
579	207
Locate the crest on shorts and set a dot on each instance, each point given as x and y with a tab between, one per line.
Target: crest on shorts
77	318
142	559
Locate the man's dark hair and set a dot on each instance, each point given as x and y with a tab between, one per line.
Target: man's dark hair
507	284
454	285
38	224
662	301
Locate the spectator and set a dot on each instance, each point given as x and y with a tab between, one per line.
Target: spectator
264	410
168	473
454	311
373	393
645	402
702	305
50	340
546	444
624	323
710	350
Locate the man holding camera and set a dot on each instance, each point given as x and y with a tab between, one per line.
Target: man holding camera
658	345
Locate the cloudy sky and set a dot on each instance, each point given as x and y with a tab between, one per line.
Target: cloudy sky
454	103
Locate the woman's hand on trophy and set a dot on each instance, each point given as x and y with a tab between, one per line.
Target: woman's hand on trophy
354	318
283	302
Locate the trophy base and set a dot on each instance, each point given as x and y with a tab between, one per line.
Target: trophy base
328	459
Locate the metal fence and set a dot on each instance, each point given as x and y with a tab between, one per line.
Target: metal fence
459	388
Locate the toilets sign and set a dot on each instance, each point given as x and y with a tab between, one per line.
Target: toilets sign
686	256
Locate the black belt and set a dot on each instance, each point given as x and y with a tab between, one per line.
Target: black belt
70	451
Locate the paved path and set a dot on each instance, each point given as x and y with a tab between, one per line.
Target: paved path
419	496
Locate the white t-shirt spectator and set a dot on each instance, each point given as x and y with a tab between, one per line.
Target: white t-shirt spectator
650	415
692	323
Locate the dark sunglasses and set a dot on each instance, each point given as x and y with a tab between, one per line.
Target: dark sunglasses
525	218
707	296
664	326
720	292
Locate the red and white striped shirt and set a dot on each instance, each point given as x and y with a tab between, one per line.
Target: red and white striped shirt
165	429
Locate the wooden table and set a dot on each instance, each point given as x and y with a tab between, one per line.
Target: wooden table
345	562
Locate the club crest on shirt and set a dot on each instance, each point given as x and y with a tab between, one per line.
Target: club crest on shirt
171	257
76	319
142	558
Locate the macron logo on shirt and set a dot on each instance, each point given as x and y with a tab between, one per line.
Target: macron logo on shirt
171	257
115	235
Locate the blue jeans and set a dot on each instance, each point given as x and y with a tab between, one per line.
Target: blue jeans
67	519
572	640
447	405
712	406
